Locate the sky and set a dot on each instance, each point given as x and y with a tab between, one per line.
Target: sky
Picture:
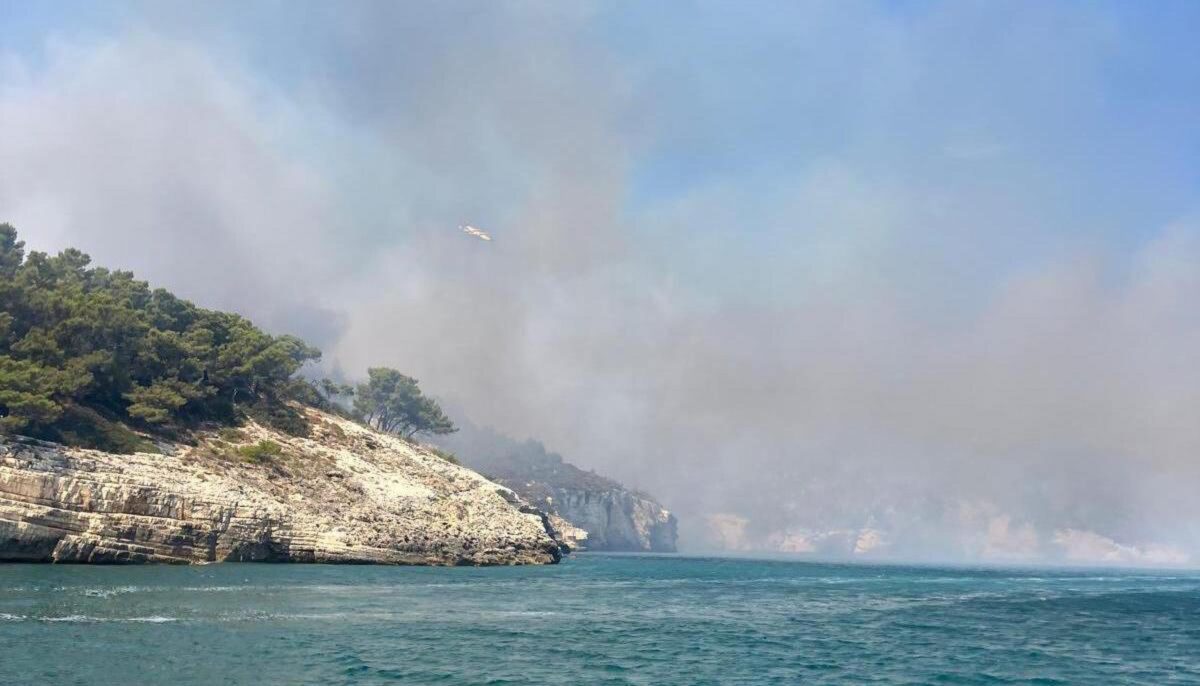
908	280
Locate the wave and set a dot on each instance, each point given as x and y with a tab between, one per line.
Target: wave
87	619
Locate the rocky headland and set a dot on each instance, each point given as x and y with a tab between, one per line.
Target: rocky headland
344	494
589	511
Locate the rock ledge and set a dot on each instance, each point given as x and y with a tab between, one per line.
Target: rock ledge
345	495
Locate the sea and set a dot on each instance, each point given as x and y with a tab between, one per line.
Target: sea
598	619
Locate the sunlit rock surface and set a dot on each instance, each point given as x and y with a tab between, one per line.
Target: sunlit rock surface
615	518
344	495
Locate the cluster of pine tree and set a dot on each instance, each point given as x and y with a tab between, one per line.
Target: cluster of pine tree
393	402
86	353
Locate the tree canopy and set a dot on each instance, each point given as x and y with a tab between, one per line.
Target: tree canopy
393	402
86	352
82	347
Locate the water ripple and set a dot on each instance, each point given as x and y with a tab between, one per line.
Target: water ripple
597	620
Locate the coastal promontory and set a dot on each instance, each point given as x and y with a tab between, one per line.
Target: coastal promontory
343	494
136	426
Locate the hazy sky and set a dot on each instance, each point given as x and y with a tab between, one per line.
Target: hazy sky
916	279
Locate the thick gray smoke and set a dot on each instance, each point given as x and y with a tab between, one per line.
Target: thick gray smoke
846	281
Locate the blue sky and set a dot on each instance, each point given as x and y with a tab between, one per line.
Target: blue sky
918	250
1096	102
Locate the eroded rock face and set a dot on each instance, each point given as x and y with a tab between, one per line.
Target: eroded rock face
345	495
587	511
617	519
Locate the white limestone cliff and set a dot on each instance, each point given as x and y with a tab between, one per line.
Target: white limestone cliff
346	494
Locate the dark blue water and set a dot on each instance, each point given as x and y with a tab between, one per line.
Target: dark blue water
597	620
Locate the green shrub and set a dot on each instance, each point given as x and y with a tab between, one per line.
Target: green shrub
86	427
281	417
258	453
444	454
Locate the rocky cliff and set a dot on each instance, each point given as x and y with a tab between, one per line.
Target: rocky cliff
588	511
346	494
612	518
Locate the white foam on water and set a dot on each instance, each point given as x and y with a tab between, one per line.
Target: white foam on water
110	592
155	619
68	618
87	619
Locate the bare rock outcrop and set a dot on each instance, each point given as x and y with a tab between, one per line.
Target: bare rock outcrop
345	495
587	511
570	535
615	519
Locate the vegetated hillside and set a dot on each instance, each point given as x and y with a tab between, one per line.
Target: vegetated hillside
86	352
138	427
95	358
615	518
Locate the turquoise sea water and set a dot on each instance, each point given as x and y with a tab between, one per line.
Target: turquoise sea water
597	619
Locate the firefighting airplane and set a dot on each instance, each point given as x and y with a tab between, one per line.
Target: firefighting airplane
471	230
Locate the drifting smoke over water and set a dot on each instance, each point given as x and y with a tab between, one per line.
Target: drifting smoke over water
839	279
